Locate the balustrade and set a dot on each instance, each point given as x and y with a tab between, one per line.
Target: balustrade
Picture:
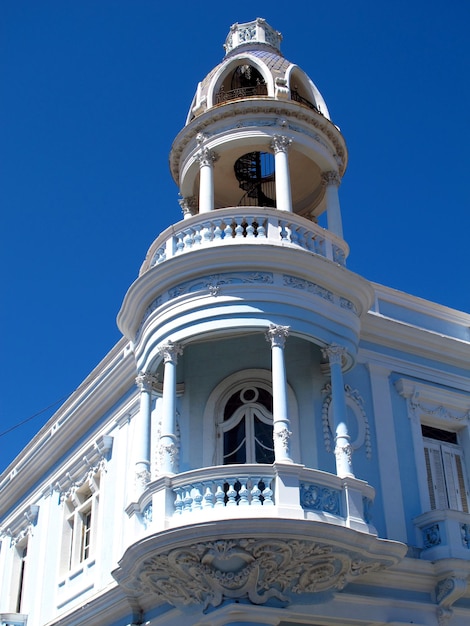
257	490
247	225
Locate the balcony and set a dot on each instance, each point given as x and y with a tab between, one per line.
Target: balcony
247	225
444	534
251	491
255	532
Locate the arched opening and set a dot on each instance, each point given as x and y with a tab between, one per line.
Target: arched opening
246	428
244	82
255	173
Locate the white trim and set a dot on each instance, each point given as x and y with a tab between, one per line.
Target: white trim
226	387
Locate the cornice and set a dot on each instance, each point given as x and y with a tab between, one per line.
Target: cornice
76	416
266	106
409	339
287	261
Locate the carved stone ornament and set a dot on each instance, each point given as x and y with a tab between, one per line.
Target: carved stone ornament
330	178
277	334
283	437
206	156
334	353
448	590
280	143
170	352
146	381
207	573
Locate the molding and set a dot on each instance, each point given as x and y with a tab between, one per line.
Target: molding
91	461
21	525
266	106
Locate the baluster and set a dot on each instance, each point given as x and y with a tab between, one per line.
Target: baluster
208	502
283	232
320	246
219	494
231	494
218	232
187	500
197	497
294	237
208	232
261	230
267	493
189	239
250	229
302	238
243	493
311	243
178	502
197	234
179	242
255	492
238	228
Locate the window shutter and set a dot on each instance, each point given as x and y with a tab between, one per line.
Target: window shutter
435	476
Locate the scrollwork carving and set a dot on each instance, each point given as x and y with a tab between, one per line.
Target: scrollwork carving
207	573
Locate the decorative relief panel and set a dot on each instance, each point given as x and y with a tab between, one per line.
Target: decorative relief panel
22	525
89	464
207	573
355	402
318	290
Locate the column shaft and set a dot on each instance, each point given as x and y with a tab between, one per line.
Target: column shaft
280	145
144	380
281	433
331	181
167	447
343	449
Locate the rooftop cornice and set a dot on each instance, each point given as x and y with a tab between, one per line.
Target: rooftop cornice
258	106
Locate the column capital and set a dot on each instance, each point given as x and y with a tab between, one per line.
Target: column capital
188	206
330	178
334	353
280	143
277	334
205	156
146	380
170	351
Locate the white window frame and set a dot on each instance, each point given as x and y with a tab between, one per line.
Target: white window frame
247	412
216	402
440	408
80	526
445	471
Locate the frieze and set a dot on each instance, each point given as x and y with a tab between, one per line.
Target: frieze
208	573
278	108
215	281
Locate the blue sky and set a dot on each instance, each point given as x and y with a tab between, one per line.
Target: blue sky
92	93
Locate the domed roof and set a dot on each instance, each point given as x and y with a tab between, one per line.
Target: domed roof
253	66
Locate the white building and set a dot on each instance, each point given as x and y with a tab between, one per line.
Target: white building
275	440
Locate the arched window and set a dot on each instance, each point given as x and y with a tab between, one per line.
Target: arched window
244	82
246	427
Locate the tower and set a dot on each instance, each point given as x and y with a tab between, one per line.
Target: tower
275	440
245	317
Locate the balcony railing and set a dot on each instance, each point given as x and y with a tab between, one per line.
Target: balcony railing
257	490
247	225
240	93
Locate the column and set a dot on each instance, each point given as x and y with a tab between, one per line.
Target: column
276	335
280	145
206	159
168	450
145	382
331	181
343	449
188	206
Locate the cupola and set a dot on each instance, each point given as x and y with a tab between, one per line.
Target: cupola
258	133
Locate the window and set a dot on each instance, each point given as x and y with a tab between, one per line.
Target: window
445	469
247	427
81	510
20	568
